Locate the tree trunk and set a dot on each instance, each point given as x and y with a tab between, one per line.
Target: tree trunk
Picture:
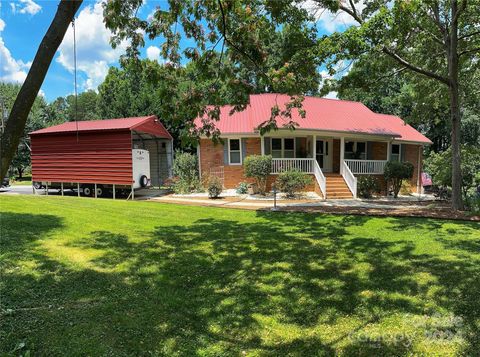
20	173
457	200
23	103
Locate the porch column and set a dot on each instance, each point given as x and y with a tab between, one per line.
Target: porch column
388	150
342	153
314	153
262	145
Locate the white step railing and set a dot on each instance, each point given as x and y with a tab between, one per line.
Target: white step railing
349	178
303	165
320	177
366	166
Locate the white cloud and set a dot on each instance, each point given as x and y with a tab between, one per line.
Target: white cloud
94	53
332	21
11	70
153	53
25	7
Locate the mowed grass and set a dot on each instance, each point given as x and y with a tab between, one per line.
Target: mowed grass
90	277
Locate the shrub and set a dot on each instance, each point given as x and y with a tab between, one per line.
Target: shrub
242	188
185	169
367	185
214	187
395	172
258	167
292	181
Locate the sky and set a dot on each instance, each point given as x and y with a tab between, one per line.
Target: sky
23	24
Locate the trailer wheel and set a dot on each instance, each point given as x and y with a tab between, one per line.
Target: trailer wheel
87	190
100	191
143	181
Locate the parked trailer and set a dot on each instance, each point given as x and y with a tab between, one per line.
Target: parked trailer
103	156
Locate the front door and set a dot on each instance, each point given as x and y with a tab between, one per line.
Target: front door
324	154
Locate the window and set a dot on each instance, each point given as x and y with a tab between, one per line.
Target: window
288	148
234	152
283	148
395	152
361	150
355	150
276	148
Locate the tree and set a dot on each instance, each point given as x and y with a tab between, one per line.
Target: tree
246	46
447	31
85	107
442	174
23	103
35	120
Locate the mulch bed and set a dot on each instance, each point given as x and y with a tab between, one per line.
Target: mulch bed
426	209
430	212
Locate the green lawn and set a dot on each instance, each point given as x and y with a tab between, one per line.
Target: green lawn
99	277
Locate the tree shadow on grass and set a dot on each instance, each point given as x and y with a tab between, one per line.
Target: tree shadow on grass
217	286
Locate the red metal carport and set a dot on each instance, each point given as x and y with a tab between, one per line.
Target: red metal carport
93	152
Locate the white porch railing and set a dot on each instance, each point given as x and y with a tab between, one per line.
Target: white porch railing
303	165
320	177
349	178
366	166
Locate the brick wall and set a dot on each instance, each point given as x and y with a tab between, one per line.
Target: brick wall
379	150
211	156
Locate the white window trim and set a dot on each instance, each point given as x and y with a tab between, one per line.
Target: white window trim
240	151
283	146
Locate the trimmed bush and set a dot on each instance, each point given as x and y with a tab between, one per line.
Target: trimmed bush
367	185
258	167
292	181
395	172
185	169
242	188
214	187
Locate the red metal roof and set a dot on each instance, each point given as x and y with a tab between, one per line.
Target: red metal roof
147	124
321	114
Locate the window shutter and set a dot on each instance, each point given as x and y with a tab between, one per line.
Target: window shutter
369	150
244	148
403	149
267	149
225	151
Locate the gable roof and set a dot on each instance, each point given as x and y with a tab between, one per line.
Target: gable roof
321	114
148	124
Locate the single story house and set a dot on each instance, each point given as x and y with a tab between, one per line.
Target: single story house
335	142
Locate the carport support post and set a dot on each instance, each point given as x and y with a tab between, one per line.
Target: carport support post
133	194
46	189
78	189
95	190
61	185
113	191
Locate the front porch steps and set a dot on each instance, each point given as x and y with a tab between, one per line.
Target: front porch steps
337	188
